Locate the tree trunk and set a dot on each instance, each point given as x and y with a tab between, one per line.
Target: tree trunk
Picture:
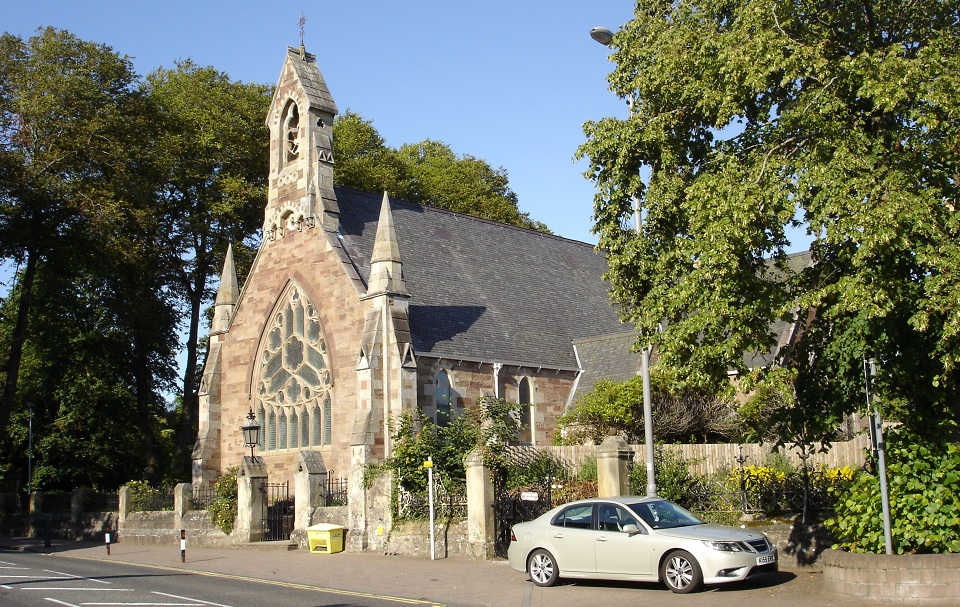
187	432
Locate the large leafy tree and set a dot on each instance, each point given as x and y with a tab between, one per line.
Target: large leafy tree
86	330
212	160
69	111
428	173
755	116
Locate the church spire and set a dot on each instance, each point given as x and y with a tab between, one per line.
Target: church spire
227	295
386	268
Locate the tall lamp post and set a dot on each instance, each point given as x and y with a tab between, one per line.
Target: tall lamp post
605	37
251	433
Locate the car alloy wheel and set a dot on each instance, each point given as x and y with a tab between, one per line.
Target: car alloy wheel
681	572
543	568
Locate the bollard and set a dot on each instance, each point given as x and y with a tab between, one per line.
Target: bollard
106	537
47	531
183	545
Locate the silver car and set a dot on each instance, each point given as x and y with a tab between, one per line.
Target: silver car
636	538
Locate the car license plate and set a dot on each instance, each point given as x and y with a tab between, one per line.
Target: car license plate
766	559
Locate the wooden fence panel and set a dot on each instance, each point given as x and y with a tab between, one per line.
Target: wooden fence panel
707	459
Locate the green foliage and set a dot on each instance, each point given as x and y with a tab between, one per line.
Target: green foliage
751	119
428	173
486	428
680	414
672	474
145	498
210	169
923	481
223	509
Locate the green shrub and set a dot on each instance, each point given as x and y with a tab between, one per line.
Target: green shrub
223	509
923	480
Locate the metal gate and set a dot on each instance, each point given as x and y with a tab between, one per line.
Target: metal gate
523	491
277	522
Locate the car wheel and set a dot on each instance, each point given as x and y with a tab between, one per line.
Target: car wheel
543	568
681	572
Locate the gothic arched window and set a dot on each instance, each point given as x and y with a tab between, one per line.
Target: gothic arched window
294	381
443	399
526	425
290	133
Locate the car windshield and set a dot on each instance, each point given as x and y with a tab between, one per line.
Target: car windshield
662	514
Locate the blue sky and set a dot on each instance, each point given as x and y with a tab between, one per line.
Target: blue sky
511	82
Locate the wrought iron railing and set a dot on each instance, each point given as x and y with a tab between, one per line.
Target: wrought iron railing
416	505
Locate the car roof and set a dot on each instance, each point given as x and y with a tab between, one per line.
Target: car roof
626	500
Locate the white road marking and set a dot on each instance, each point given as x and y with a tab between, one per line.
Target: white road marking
186	598
79	577
79	589
66	604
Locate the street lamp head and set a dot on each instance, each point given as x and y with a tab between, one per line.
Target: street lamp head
602	35
251	432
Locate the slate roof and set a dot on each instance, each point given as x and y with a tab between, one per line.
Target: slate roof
482	290
311	80
606	357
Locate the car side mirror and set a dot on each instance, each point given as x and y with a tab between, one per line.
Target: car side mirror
631	529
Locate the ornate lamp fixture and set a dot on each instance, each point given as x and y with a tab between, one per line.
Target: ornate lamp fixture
251	433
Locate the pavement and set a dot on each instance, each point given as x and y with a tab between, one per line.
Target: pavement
446	581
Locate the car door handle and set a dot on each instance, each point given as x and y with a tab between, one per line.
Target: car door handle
602	538
558	536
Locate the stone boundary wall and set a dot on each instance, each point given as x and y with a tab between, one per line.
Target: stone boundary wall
901	579
163	528
413	539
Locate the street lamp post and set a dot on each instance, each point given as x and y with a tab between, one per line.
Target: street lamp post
30	452
605	37
251	433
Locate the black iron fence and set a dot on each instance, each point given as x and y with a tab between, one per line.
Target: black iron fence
202	497
151	499
335	491
415	505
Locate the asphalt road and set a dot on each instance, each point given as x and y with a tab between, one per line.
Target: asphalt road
248	576
37	580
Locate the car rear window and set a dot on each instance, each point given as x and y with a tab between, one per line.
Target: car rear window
577	517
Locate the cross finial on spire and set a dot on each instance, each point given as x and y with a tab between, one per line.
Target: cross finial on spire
301	23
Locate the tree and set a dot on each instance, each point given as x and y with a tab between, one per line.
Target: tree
69	116
212	162
749	118
428	173
363	159
680	413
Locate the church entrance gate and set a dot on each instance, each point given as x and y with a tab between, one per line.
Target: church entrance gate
523	490
278	512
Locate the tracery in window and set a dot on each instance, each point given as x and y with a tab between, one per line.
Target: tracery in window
290	133
294	381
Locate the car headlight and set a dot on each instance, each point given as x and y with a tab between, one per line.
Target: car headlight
725	546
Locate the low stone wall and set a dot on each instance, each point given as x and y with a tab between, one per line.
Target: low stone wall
162	528
413	539
907	579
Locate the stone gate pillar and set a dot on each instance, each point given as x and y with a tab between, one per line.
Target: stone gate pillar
309	481
251	500
357	499
613	477
480	523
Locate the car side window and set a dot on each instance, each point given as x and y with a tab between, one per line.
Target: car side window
576	517
614	518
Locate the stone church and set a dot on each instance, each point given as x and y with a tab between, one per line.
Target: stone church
358	307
